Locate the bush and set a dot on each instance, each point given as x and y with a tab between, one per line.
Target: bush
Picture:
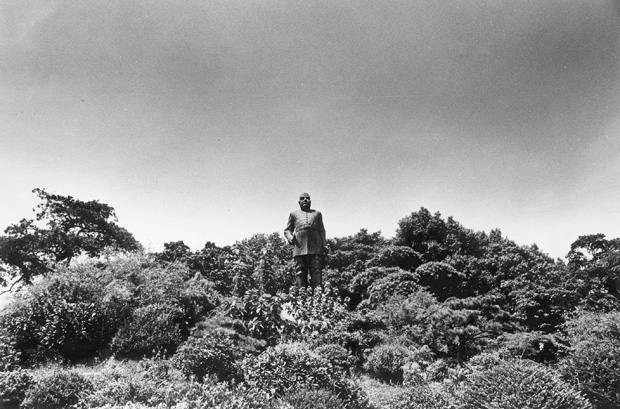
212	354
59	389
309	314
356	331
261	314
594	367
592	325
286	367
536	346
398	283
362	281
386	362
422	397
441	279
10	357
13	386
148	382
337	355
59	316
396	256
312	399
157	383
484	361
228	397
153	329
76	312
520	384
594	360
449	333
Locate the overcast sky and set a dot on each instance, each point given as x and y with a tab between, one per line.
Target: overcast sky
204	120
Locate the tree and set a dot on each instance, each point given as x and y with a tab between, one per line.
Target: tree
595	276
174	251
595	245
71	227
425	233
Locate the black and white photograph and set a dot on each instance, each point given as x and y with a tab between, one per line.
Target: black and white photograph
270	204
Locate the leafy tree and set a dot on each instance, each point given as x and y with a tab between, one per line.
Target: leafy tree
353	252
443	280
72	227
435	239
594	244
594	278
174	251
395	256
425	233
396	283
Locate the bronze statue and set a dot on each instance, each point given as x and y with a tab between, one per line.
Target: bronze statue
306	233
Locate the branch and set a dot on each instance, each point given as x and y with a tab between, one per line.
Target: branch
12	285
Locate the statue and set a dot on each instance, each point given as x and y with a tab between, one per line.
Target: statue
306	233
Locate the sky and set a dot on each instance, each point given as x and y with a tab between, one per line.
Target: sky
204	120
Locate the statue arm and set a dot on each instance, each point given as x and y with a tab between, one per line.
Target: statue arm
322	229
289	229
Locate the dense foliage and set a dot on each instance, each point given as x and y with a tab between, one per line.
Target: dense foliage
449	317
520	384
72	227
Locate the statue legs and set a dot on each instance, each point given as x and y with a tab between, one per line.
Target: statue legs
310	264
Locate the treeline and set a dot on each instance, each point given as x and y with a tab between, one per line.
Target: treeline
455	318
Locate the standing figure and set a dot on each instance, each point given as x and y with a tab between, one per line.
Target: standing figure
306	233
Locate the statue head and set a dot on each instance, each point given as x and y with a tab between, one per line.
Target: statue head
304	201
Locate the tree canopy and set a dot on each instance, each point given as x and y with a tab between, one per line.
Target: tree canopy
64	228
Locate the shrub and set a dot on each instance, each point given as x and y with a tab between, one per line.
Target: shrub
356	331
312	399
76	312
443	280
59	316
156	383
361	282
396	256
594	366
288	366
449	333
438	370
386	362
594	360
152	329
261	314
421	396
398	283
148	382
212	354
340	281
229	397
56	390
535	346
337	355
592	325
13	386
484	361
10	357
520	384
311	313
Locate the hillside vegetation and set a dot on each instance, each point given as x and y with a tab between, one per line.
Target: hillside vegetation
439	317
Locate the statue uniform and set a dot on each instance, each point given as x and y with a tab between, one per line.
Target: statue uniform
306	233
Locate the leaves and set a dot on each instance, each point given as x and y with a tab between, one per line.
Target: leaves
72	227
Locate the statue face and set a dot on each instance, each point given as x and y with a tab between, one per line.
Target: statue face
304	201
